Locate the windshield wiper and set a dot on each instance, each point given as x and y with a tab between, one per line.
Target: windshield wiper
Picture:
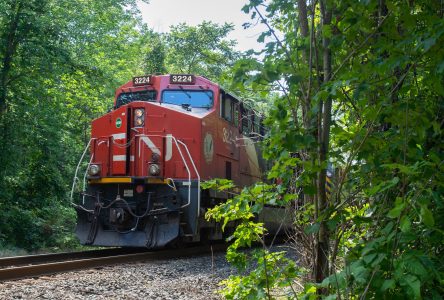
185	92
208	92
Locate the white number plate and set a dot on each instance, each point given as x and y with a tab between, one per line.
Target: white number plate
182	79
142	80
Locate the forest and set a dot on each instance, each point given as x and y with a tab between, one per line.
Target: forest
350	88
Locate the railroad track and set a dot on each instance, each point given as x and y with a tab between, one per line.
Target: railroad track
36	265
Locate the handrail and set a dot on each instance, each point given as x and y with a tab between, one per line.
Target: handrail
177	142
78	167
188	170
84	178
198	177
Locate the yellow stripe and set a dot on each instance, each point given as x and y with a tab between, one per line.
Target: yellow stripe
126	180
111	180
328	186
157	180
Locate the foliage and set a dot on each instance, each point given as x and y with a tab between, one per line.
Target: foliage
202	50
361	89
272	272
155	55
273	269
53	81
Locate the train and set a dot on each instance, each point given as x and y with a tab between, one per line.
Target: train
149	154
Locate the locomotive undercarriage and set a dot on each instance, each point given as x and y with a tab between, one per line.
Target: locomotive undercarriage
137	214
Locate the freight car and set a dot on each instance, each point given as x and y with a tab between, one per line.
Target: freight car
149	155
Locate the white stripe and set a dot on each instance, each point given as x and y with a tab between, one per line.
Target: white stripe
122	158
169	147
119	136
150	145
119	157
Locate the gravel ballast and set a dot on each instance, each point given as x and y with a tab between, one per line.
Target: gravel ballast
185	278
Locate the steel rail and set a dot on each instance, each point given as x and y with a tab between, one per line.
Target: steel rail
41	258
17	272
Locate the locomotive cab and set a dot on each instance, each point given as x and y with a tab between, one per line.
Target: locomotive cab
149	155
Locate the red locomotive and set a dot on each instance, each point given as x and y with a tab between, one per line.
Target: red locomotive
149	155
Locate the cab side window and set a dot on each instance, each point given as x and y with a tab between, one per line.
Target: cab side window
229	108
246	121
236	114
251	123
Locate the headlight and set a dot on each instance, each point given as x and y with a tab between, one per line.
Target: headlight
154	170
94	170
139	117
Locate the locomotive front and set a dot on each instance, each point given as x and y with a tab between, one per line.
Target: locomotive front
142	186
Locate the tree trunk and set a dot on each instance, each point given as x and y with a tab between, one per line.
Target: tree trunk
303	23
322	248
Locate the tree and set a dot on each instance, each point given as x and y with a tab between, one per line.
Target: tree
60	62
352	77
155	54
202	50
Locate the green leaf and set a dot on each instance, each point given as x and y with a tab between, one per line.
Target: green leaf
383	186
414	284
388	284
397	210
378	260
429	43
415	266
359	271
405	224
369	258
427	216
440	68
326	31
246	9
314	228
388	228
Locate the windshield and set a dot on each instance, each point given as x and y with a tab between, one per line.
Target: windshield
193	98
126	98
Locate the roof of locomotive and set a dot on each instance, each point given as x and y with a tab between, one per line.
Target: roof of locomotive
160	82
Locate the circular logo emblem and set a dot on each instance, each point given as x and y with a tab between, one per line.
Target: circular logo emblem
118	122
208	148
